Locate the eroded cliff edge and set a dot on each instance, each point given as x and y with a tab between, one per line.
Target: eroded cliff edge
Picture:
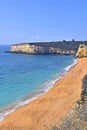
38	49
61	47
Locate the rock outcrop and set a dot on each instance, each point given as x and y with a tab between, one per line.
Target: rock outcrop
35	49
82	51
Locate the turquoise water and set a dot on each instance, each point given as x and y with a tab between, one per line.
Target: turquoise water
22	74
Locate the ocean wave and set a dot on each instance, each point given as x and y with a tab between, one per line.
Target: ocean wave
37	93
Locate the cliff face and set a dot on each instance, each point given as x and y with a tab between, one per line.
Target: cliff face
26	48
34	49
82	51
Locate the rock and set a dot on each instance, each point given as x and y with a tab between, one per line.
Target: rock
35	49
82	51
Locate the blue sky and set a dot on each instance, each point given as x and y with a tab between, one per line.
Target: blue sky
42	20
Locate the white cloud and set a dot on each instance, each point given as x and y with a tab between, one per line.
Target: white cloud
37	37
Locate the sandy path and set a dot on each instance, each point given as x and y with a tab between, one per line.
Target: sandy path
50	108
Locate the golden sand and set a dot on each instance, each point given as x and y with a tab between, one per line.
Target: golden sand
49	109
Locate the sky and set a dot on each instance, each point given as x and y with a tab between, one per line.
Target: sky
42	20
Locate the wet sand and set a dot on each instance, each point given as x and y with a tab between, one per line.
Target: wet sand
49	109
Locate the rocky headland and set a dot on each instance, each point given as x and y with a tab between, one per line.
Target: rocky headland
63	47
35	49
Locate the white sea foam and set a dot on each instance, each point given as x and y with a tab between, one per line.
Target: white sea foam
37	93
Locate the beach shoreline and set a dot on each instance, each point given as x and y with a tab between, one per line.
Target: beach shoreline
43	89
52	107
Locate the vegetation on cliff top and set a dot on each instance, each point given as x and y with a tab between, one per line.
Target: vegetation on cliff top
63	45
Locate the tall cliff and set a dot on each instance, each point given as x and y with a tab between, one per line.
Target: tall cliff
25	48
38	49
82	51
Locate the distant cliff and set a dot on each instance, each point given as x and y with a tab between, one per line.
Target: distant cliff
82	51
56	47
38	49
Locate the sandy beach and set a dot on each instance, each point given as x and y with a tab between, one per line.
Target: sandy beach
49	109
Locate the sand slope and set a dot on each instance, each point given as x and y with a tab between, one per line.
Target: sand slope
50	108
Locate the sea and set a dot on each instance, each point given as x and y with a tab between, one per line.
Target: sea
24	77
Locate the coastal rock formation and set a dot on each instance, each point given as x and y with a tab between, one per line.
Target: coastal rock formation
82	51
38	49
23	48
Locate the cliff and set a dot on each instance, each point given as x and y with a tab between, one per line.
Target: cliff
82	51
38	49
56	47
